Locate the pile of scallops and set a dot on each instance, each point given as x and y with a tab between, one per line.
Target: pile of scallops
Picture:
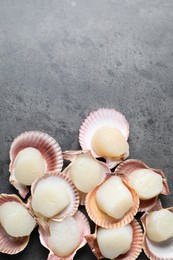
112	188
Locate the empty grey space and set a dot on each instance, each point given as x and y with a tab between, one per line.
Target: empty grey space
61	59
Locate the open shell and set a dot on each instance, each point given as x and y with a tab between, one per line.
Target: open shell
157	251
47	146
130	165
102	219
85	230
9	244
96	119
69	210
134	251
72	156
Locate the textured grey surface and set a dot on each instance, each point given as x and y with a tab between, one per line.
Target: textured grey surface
59	60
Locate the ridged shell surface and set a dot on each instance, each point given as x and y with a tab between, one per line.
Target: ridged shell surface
131	165
101	118
102	219
161	250
48	147
134	251
8	244
85	230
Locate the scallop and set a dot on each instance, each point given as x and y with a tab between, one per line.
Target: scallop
122	198
117	243
54	196
112	203
16	224
148	182
85	171
106	241
32	154
159	225
158	233
105	133
65	237
29	165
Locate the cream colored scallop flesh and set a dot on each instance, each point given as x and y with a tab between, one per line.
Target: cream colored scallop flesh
114	198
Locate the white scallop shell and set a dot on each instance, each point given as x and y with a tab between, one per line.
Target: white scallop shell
134	251
157	251
128	166
101	118
69	210
47	146
83	223
8	244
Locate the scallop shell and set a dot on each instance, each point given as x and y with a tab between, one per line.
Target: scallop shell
48	147
83	222
72	156
102	219
157	251
133	252
69	210
130	165
8	244
96	119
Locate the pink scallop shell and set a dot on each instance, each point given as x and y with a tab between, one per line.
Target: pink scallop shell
96	119
48	147
130	165
8	244
133	252
102	219
83	222
70	210
157	251
72	156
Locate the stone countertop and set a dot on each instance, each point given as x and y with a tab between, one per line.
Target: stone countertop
61	59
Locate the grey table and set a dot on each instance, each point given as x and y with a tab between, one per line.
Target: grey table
61	59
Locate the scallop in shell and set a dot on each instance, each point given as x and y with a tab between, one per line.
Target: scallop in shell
158	233
53	196
123	243
65	237
105	133
16	225
32	154
85	171
148	182
113	203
